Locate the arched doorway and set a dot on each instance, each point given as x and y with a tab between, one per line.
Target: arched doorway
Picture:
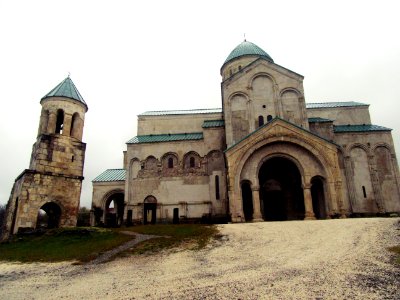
48	216
281	193
318	197
149	210
247	201
114	210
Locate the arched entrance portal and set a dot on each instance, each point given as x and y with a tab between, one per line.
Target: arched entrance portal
49	216
247	198
281	193
149	210
114	210
318	197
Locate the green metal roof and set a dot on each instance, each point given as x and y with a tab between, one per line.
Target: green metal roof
247	48
319	120
182	112
67	89
334	104
111	175
213	123
159	138
359	128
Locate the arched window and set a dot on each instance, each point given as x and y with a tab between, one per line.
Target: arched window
260	121
74	125
170	162
217	196
269	118
60	121
192	162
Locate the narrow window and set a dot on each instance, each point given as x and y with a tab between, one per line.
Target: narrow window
217	187
230	72
240	68
260	121
192	162
74	125
72	159
170	162
364	192
269	118
60	121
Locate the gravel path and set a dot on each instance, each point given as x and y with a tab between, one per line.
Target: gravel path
330	259
109	254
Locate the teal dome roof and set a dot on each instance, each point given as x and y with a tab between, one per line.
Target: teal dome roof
247	48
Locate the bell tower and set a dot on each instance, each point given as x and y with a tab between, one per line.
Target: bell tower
48	193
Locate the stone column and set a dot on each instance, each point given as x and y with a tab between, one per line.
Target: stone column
309	212
350	182
51	127
376	185
257	217
235	208
67	125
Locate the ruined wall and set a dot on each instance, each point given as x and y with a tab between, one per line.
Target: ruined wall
58	154
33	189
322	129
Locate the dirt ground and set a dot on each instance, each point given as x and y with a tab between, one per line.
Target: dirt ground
329	259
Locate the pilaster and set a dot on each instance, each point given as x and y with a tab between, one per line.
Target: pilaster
257	217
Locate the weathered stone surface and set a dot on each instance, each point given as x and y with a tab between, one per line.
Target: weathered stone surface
54	178
319	173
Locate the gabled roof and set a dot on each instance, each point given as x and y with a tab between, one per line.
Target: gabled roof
66	88
334	104
213	123
159	138
319	120
273	121
359	128
182	112
111	175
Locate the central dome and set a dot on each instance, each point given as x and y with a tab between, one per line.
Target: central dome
247	48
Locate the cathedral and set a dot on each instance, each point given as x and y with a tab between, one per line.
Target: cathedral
265	155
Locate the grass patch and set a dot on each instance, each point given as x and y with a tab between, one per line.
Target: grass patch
190	236
82	244
396	249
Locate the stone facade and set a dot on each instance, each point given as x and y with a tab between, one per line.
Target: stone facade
266	155
52	184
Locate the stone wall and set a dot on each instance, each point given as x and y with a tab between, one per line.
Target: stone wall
372	172
33	189
179	123
342	115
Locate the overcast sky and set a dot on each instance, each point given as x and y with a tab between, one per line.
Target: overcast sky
127	57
